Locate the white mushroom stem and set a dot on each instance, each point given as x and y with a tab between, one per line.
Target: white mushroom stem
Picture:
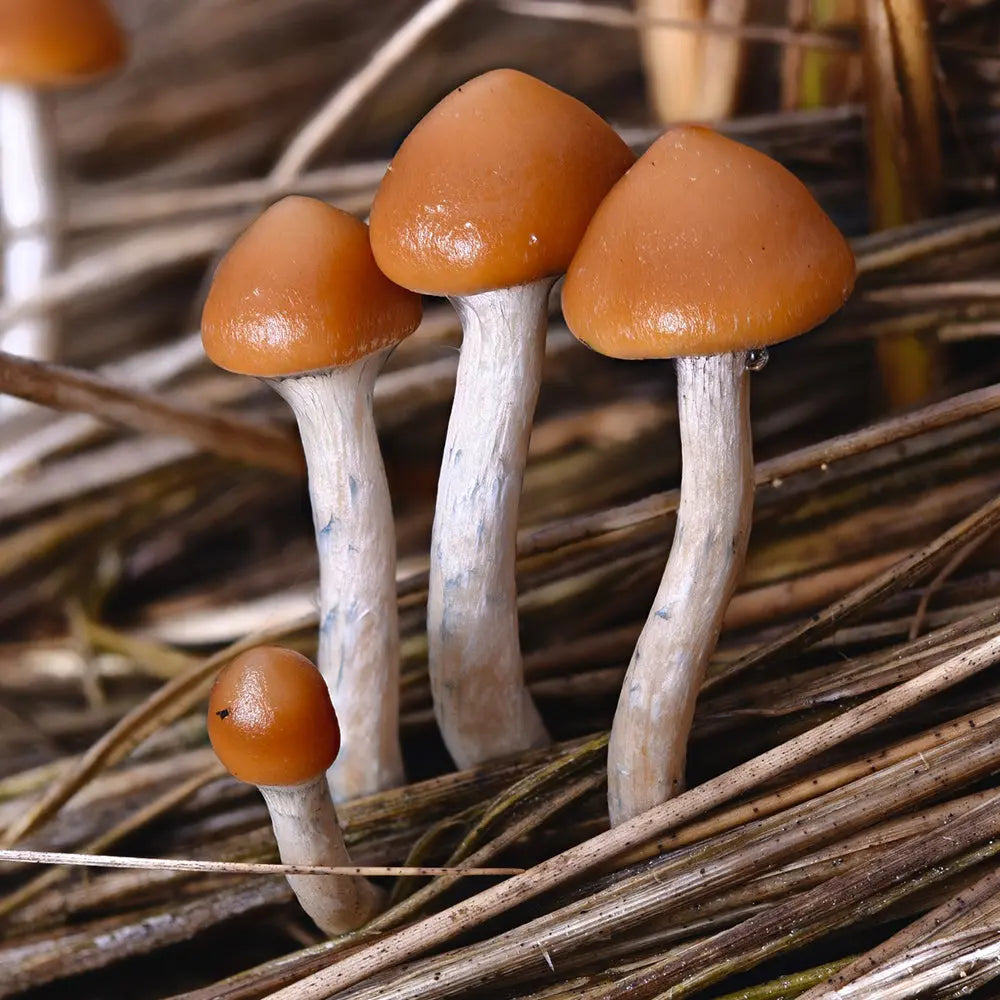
27	212
307	832
649	737
355	537
481	702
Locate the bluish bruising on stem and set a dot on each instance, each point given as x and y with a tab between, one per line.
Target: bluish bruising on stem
359	634
329	619
481	702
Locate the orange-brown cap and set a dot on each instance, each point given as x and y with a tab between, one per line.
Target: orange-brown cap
270	719
48	42
705	246
300	291
494	187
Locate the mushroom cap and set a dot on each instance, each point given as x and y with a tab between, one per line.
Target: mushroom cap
704	247
299	291
44	43
494	187
270	719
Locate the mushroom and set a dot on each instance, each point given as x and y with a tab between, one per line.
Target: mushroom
299	302
484	203
272	725
706	251
43	44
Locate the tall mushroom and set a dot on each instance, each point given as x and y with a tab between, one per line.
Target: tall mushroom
704	251
272	725
485	203
299	302
44	44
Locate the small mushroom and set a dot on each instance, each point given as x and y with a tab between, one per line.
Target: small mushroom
299	302
44	44
485	203
272	725
705	251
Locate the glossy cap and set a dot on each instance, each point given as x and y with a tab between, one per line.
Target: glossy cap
45	43
494	187
270	719
705	246
299	291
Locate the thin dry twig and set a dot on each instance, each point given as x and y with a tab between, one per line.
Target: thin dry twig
908	244
229	437
148	369
101	210
240	867
321	128
940	578
609	16
984	288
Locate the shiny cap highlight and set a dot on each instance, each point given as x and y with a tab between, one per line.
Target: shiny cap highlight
493	187
704	247
299	291
270	719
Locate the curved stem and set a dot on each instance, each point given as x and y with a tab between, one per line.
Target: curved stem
308	833
27	209
648	745
480	699
355	537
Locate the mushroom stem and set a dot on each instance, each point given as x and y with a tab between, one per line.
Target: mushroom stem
355	536
481	702
27	210
649	737
308	833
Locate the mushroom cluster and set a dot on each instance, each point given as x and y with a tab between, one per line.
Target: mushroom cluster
703	250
